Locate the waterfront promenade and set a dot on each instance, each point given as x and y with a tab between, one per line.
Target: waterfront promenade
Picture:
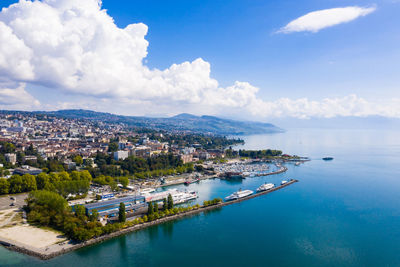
62	248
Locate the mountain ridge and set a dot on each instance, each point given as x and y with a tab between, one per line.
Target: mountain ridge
184	122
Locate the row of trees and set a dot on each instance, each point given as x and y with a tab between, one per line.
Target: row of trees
187	168
168	203
163	213
205	141
112	182
214	201
63	183
267	153
162	164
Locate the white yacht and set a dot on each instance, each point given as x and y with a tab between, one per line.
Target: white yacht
265	187
239	194
177	196
283	182
182	197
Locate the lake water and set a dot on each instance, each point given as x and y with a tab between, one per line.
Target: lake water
343	212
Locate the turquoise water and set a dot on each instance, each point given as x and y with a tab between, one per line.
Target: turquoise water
343	212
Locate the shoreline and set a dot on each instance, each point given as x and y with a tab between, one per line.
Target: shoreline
45	254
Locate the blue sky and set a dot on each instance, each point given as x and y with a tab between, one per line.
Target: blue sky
239	40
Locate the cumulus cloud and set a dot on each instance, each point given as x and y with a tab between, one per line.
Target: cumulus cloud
16	97
75	47
318	20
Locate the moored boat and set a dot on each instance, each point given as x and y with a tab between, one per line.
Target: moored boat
182	197
327	158
191	181
239	194
265	187
283	182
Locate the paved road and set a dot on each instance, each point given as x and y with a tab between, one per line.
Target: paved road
5	201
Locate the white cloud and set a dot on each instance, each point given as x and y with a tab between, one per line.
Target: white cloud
16	97
350	105
318	20
74	46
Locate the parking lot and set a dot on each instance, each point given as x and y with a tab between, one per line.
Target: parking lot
5	201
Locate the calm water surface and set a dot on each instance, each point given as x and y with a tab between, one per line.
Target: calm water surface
344	212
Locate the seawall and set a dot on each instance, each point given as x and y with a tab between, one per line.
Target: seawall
57	251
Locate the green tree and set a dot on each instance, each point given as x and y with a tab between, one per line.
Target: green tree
89	162
4	186
124	181
150	208
42	179
85	175
112	147
7	148
75	175
16	184
122	213
155	207
80	211
165	205
170	202
94	216
29	183
53	177
64	176
114	186
78	160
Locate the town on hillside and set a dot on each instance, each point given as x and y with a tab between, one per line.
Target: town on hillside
87	179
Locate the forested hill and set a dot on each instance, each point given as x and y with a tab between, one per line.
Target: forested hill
182	122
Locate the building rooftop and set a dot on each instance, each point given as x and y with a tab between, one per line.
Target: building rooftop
113	202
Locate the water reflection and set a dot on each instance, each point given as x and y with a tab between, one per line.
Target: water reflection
153	232
123	247
212	211
168	229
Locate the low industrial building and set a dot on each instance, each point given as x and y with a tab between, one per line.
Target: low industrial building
110	208
25	169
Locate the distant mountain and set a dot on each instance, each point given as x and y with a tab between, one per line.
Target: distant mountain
181	122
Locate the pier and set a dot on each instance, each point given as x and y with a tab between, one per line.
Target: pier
281	170
57	250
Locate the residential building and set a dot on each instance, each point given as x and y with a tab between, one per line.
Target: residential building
121	155
11	157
